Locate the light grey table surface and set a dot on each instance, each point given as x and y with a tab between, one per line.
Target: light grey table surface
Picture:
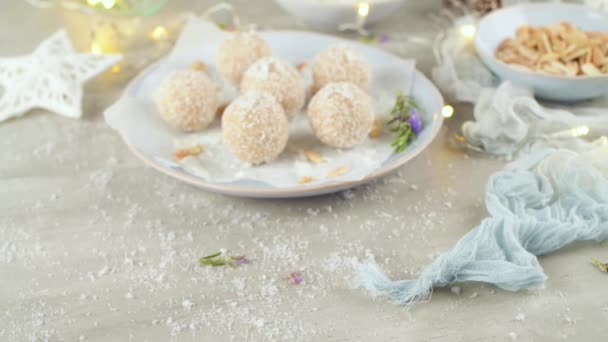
95	246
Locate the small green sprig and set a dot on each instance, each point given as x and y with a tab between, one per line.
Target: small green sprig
218	260
405	122
600	265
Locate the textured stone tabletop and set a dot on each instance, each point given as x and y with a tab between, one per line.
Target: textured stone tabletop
96	246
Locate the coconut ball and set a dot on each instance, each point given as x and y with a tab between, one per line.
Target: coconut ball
340	64
237	53
255	128
188	100
341	114
279	79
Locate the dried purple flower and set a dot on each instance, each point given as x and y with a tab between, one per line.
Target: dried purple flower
415	122
384	38
405	122
240	260
295	278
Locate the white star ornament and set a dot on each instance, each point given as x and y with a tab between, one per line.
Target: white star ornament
51	78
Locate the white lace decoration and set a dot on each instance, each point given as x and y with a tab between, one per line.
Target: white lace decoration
51	78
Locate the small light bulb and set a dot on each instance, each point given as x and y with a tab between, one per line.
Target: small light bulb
159	33
580	131
96	48
363	9
117	68
108	3
468	31
447	111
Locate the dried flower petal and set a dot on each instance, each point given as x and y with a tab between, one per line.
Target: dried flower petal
415	121
240	260
295	278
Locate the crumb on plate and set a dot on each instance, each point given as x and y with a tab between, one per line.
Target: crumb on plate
376	129
339	171
305	179
314	157
199	66
193	151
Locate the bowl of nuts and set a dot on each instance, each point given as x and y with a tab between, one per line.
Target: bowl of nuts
558	50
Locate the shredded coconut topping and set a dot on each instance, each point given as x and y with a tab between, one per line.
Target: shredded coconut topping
341	115
238	53
278	78
255	128
340	63
188	100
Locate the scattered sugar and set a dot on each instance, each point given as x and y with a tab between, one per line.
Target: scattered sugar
187	304
103	271
153	263
348	194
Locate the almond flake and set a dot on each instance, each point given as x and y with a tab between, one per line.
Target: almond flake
338	172
560	49
305	179
314	157
302	66
188	152
199	66
376	129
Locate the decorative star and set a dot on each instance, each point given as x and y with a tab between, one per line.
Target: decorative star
51	78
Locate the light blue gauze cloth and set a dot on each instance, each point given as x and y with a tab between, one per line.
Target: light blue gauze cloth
547	199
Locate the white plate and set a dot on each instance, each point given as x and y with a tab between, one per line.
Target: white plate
153	141
502	24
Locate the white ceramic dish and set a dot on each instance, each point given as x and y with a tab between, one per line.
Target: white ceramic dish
502	24
136	119
330	14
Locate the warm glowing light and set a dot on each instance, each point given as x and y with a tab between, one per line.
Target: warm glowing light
468	31
108	3
447	111
580	131
363	9
93	2
116	69
96	48
159	33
